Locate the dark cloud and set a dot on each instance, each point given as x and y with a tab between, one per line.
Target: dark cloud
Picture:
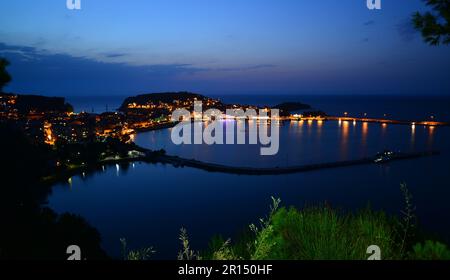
43	72
245	68
114	55
62	74
6	48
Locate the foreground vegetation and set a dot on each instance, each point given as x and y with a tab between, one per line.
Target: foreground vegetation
322	233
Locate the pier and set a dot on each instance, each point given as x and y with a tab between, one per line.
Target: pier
212	167
373	120
154	158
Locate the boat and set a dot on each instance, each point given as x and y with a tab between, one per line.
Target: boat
384	156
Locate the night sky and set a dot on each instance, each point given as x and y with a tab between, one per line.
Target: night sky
119	47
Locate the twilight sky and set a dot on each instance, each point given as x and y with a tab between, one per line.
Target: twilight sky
119	47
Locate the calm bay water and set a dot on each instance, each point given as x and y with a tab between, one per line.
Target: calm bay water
149	203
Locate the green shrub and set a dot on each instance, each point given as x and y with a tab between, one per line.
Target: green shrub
142	254
430	250
321	233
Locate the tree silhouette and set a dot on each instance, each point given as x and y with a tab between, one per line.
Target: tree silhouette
5	78
435	24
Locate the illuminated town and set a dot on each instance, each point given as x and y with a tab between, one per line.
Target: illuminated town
59	124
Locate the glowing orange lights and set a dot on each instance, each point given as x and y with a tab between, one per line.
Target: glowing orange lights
365	128
50	139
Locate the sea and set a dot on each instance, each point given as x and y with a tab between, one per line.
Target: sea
148	204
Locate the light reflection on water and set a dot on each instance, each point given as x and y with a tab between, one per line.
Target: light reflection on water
302	141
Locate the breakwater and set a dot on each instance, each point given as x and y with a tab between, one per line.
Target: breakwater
212	167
